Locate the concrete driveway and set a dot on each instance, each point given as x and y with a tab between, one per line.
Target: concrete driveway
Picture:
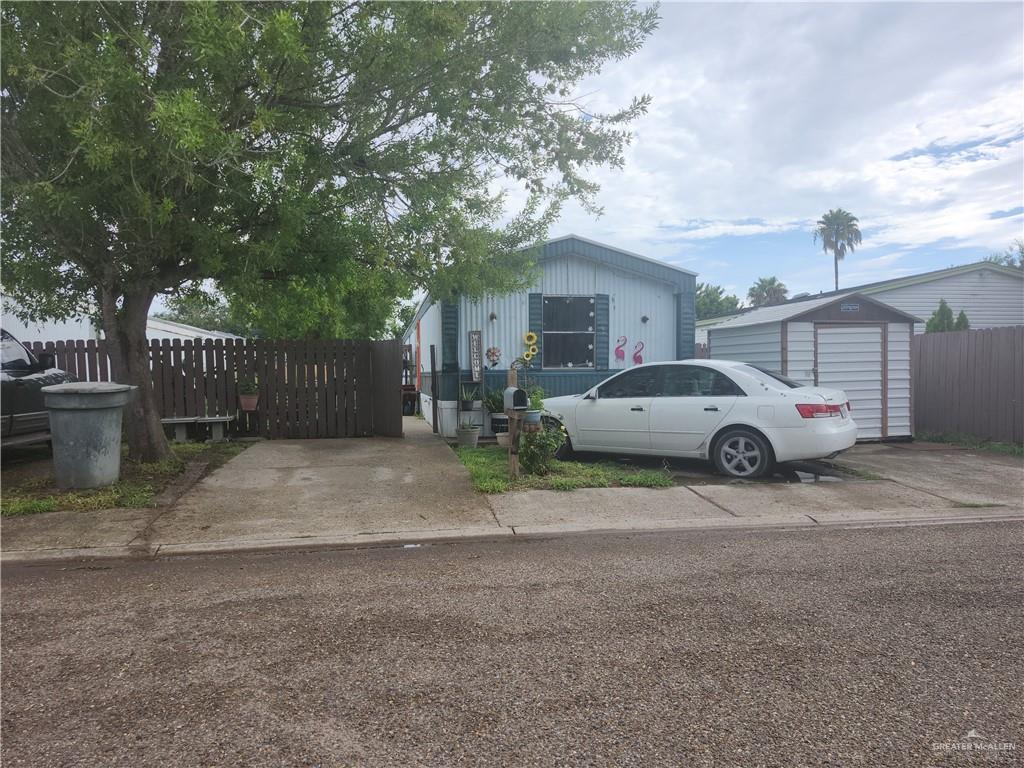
287	489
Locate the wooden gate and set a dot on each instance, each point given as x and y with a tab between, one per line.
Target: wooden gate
307	388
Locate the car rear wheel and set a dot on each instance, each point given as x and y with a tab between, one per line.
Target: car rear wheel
743	453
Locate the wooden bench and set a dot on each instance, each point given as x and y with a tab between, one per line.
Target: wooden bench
217	424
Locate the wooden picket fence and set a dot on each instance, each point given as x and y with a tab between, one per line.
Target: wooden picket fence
307	388
970	383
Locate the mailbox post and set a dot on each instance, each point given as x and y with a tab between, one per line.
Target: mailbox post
516	403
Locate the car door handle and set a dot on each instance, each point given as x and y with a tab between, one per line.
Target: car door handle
637	408
711	408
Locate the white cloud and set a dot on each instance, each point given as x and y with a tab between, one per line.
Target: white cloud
765	116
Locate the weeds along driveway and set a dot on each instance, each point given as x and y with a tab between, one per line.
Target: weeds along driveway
283	489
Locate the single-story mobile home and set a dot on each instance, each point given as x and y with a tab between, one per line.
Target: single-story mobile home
594	310
850	342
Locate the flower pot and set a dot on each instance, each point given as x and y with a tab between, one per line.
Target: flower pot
468	405
468	437
504	439
499	423
248	402
531	417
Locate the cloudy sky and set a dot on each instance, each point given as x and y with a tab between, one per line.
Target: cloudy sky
765	116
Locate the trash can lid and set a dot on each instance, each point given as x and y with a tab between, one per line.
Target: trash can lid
87	388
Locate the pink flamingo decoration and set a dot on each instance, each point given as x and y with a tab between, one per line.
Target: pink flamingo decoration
620	351
638	359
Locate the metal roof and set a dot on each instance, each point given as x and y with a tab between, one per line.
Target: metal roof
616	257
574	245
781	312
924	277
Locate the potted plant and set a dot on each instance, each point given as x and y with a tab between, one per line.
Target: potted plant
468	434
248	394
532	416
469	395
494	403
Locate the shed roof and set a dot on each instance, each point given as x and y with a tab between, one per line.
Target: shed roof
795	310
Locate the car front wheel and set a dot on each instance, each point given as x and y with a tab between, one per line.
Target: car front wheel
743	453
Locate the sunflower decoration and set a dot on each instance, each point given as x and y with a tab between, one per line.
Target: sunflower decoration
528	356
530	339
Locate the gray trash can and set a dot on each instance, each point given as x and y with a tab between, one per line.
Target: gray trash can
85	421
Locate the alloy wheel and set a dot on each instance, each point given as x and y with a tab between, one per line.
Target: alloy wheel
741	456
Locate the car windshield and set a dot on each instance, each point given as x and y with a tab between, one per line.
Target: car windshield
771	378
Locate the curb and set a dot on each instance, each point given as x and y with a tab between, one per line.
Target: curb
476	535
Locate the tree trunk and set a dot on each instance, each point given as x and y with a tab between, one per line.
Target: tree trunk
835	261
125	329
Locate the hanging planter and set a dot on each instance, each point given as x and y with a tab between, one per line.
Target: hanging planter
248	395
469	397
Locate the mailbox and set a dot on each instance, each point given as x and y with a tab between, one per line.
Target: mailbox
516	399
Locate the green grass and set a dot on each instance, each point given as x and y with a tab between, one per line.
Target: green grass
488	467
138	487
969	441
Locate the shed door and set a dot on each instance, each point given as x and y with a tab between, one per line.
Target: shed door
849	357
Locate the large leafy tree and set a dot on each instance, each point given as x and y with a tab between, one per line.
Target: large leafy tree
712	301
289	152
839	233
767	290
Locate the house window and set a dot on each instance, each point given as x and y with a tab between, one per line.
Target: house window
569	332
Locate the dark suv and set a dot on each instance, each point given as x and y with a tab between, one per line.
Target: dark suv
23	375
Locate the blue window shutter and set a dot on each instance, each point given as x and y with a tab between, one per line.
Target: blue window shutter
601	331
537	325
686	319
449	380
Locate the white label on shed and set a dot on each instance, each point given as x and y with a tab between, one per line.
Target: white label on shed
849	307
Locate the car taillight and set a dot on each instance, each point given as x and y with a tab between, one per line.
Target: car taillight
819	410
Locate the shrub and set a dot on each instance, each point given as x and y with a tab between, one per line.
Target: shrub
537	450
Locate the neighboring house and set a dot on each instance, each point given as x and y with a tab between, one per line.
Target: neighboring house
158	328
48	330
595	309
850	341
991	295
83	328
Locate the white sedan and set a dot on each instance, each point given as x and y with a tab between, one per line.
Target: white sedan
742	417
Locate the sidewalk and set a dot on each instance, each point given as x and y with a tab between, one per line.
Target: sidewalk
315	494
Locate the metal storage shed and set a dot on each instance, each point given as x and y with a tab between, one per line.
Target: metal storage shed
849	342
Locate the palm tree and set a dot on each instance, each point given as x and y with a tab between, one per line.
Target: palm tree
839	233
767	290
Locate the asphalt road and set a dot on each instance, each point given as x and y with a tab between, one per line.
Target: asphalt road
724	648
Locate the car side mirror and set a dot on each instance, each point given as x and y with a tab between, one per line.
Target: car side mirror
591	395
47	360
